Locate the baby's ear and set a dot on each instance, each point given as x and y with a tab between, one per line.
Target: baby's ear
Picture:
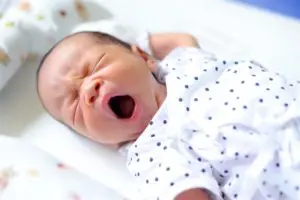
139	52
151	62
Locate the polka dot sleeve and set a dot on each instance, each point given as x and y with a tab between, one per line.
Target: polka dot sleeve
164	175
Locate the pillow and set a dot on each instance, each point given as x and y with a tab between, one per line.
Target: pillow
31	27
98	162
111	27
119	30
28	173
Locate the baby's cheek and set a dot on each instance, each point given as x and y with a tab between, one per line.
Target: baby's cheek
84	119
127	70
94	125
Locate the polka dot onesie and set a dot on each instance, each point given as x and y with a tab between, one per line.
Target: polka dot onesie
229	127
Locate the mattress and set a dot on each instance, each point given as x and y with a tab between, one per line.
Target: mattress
222	27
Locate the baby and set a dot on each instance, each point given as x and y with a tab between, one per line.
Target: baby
198	128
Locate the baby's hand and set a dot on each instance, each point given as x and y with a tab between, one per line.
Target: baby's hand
193	194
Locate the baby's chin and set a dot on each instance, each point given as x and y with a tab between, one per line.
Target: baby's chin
141	125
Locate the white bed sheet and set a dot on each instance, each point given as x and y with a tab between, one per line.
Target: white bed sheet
222	27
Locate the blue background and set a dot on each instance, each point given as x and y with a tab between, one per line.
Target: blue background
289	8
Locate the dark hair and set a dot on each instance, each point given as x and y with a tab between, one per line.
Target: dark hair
99	37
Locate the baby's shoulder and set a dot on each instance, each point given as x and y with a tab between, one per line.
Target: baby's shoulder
181	57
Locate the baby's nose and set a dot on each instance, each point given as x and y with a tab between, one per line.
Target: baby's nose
91	91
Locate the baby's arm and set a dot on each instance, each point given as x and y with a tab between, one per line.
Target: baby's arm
165	173
162	43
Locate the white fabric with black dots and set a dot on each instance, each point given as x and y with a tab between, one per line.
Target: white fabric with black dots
229	127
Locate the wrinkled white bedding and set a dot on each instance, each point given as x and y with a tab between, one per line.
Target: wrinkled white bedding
257	35
28	173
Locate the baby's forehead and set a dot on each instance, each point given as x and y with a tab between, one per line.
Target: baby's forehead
62	59
74	42
69	50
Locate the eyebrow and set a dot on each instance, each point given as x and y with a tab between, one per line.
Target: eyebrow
98	62
75	72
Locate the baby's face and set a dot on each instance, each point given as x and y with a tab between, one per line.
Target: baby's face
103	91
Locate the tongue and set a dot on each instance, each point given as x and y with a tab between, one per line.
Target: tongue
126	106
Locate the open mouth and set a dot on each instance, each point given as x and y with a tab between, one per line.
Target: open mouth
122	106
